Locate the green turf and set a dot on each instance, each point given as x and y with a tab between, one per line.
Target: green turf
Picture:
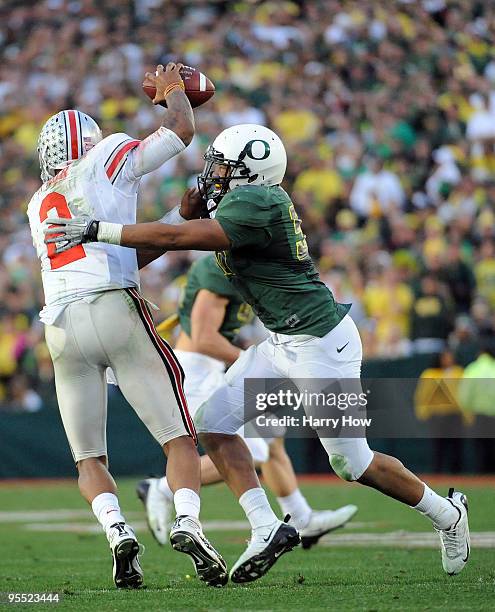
325	578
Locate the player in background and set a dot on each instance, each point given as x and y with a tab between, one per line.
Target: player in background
262	250
211	313
96	317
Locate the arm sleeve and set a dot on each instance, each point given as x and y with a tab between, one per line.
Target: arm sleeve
153	152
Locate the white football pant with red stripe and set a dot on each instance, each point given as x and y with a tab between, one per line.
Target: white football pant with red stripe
115	330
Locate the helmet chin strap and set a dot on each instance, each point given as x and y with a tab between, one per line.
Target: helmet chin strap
211	206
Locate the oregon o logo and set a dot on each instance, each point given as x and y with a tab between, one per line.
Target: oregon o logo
257	149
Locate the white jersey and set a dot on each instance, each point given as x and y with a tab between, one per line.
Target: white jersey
102	185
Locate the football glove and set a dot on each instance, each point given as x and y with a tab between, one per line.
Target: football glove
68	233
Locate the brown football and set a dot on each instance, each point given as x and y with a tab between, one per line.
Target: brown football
198	87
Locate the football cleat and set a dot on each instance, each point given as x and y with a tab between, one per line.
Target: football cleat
266	546
455	540
324	521
158	508
127	572
186	536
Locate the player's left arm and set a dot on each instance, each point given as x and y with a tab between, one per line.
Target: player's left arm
192	206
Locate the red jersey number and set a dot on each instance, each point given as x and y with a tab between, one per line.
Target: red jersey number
59	260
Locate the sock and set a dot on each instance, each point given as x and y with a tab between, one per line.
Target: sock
164	488
107	510
258	511
297	506
187	502
441	512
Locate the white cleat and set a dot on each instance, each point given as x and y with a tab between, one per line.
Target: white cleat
263	551
186	536
455	540
325	521
127	572
159	509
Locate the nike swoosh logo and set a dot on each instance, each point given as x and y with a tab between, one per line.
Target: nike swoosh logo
268	536
339	350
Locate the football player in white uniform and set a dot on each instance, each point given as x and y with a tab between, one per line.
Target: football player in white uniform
96	318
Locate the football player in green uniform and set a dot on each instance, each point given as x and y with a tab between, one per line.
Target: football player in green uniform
262	250
211	313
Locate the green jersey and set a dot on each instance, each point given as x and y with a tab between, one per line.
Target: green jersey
269	263
205	274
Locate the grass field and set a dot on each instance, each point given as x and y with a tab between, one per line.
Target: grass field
385	560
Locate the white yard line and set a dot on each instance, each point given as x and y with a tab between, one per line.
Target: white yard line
403	539
139	526
82	521
42	516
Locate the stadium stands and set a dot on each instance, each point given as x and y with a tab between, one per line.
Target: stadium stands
388	116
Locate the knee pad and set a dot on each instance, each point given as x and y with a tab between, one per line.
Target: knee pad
349	458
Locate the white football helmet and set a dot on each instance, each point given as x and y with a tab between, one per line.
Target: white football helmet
246	154
64	138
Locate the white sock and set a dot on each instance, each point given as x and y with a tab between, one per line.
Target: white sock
164	488
187	502
107	510
258	511
441	512
297	506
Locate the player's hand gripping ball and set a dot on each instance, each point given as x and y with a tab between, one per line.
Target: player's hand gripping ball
196	85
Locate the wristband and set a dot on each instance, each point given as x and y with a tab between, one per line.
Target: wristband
173	217
172	87
110	232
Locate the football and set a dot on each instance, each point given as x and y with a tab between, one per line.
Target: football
198	87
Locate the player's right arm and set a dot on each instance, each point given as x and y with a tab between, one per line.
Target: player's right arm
201	235
219	234
177	130
207	316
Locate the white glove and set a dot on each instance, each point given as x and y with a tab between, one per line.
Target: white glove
68	233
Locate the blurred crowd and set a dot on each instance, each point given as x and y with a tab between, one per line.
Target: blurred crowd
387	110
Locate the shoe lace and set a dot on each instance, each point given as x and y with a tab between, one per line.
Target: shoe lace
451	542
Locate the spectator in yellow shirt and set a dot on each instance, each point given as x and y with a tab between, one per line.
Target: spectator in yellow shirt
321	180
435	401
484	271
388	301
